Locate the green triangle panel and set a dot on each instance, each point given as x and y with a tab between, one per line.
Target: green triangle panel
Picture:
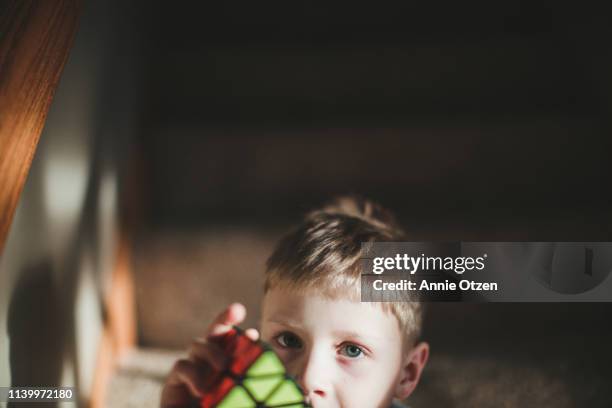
287	393
237	398
300	405
267	364
261	387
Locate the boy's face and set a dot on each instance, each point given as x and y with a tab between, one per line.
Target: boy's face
343	353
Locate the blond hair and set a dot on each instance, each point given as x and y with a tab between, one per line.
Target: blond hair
324	253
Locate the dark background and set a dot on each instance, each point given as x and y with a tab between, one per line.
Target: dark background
470	116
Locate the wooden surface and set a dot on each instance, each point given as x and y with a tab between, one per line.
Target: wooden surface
119	334
35	39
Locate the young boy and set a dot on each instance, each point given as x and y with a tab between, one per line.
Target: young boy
343	353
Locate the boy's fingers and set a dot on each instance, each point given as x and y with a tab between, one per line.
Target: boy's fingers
188	373
252	334
175	396
203	350
233	315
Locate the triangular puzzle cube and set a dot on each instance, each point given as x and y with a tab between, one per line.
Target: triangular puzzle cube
256	378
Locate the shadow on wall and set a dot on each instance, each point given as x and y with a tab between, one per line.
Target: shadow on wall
38	328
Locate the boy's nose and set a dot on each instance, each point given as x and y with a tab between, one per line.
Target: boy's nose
313	376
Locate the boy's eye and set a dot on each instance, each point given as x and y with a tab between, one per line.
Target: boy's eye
289	340
351	350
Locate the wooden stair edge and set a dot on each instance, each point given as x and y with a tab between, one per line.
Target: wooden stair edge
119	332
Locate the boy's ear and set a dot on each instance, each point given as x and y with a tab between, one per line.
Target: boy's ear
411	370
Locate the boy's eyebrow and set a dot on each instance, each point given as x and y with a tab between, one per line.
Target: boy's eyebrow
356	335
284	321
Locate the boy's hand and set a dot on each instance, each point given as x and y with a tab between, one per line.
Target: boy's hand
189	378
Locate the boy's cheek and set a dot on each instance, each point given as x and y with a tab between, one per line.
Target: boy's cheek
369	379
362	393
356	368
286	356
294	363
